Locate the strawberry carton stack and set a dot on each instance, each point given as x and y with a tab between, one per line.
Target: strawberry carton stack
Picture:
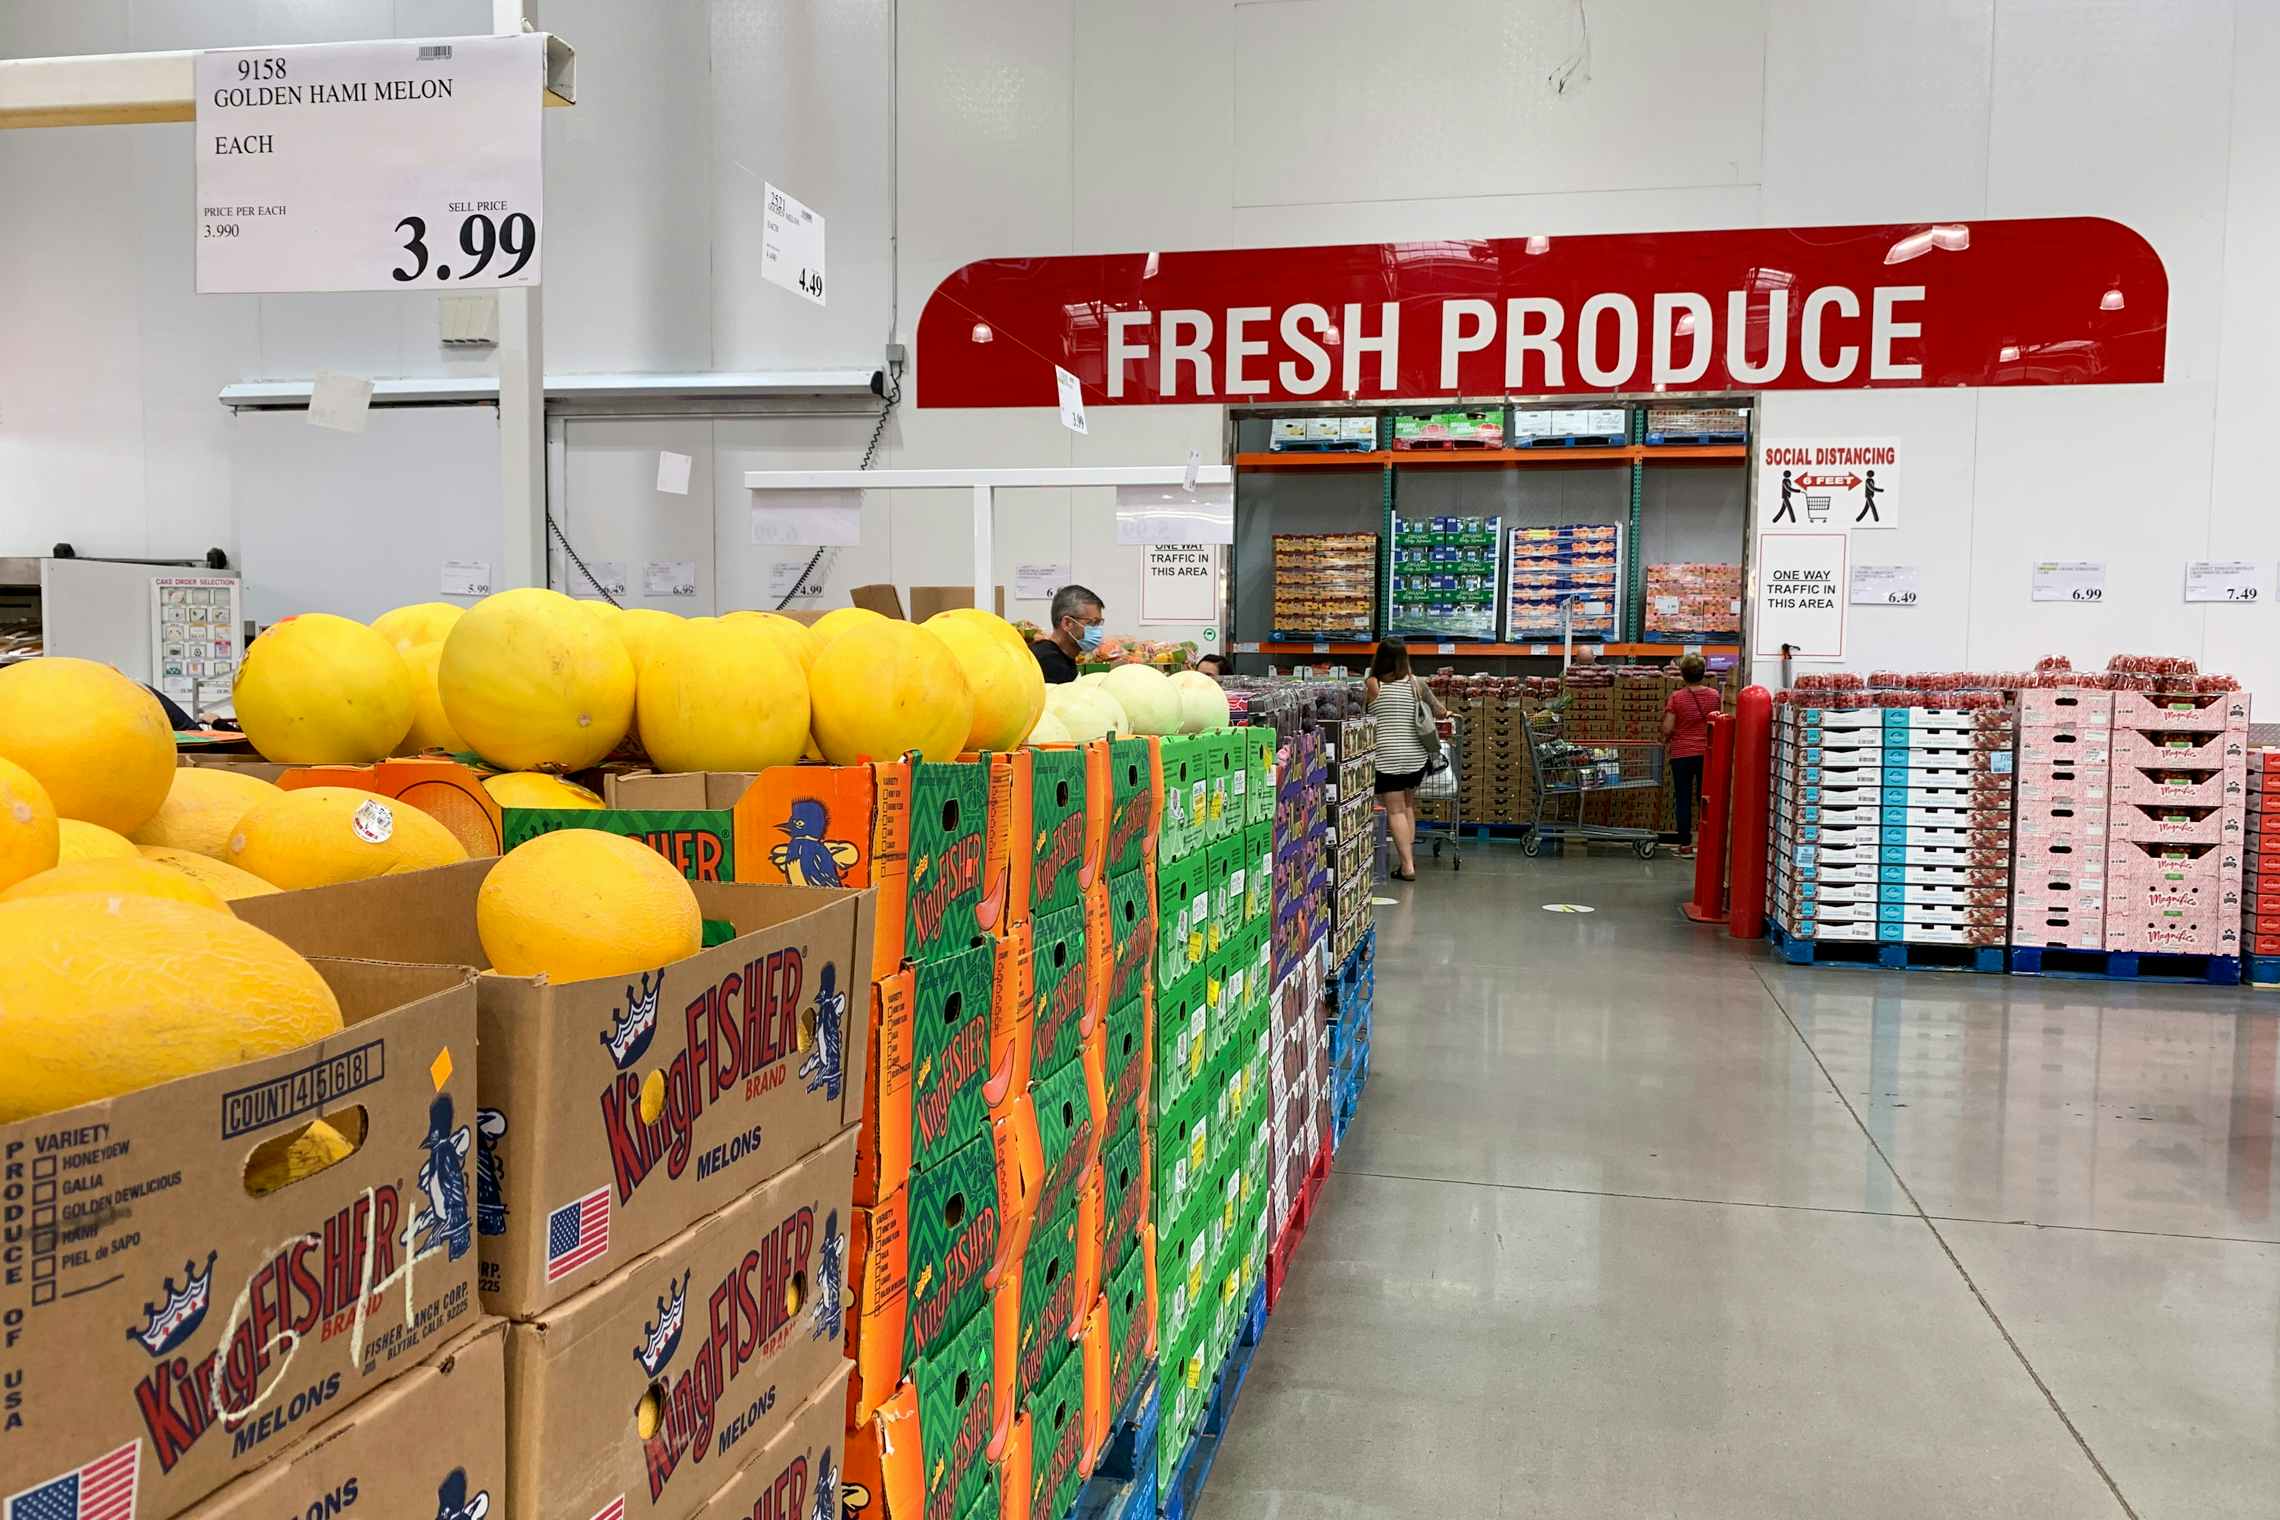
2058	871
2260	867
2177	822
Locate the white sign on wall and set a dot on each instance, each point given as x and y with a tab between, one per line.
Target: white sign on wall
1801	595
791	246
1885	585
670	577
2225	580
1810	484
1179	583
1036	581
194	631
465	577
2069	580
370	165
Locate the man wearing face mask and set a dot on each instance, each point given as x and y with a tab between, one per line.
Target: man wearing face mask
1077	619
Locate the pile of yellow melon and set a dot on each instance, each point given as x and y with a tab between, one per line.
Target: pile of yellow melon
532	681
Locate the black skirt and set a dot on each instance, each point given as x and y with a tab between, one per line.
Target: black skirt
1405	781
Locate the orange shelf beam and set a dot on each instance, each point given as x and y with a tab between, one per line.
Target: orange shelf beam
1445	458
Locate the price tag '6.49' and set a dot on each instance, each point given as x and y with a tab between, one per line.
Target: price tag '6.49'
371	165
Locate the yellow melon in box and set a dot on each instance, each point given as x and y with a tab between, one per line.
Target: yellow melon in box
725	696
1007	683
421	623
76	839
431	728
319	835
229	882
96	741
884	689
323	690
27	825
536	789
534	680
202	809
578	903
109	995
131	877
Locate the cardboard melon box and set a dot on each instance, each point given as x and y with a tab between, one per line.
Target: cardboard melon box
796	1476
166	1329
433	1442
928	1452
931	1081
642	1395
617	1112
926	1259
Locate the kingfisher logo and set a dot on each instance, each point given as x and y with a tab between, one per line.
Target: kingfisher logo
959	875
1132	955
1058	849
750	1314
1130	822
633	1026
181	1311
965	1450
738	1035
1069	1439
786	1496
962	1062
970	1255
1129	1201
322	1284
660	1340
1067	1002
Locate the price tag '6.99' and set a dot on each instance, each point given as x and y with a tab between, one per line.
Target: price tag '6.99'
371	165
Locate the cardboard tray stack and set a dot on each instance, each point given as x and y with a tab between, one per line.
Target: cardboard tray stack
2065	790
2177	824
1353	831
1891	825
2260	881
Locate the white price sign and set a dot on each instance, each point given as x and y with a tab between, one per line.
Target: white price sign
791	246
604	575
2070	580
370	165
2225	580
466	577
670	577
1884	585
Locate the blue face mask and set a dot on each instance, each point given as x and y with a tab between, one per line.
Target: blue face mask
1088	637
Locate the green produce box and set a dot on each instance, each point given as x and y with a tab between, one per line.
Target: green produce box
1187	760
1223	864
1059	949
949	1051
1258	748
949	829
1222	814
1183	1157
1134	789
1183	1273
1124	1061
1124	1185
1129	1326
1219	1012
1259	868
1132	934
1049	1309
1055	1409
1065	1135
1180	934
1183	1040
1057	875
1184	1383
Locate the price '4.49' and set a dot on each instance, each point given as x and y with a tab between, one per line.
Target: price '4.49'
481	239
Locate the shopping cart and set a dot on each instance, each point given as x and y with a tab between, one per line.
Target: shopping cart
1441	790
1566	769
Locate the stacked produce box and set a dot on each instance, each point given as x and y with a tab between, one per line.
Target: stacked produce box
1442	578
1325	586
1213	960
2178	822
1694	603
1450	430
1352	831
1891	824
1494	784
2260	882
2066	738
1566	580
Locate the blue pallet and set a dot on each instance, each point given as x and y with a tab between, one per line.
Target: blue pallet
1123	1484
1884	955
1574	441
2125	965
1178	1500
1323	446
2263	971
1654	439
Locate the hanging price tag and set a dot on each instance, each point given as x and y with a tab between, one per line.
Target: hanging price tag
370	165
2224	580
1884	585
791	246
2070	581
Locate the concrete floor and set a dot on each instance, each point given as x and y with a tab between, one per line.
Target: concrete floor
1637	1222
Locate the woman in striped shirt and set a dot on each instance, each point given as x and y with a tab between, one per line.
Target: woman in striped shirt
1395	695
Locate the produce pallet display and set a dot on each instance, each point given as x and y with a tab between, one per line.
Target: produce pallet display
2058	867
1322	435
1354	993
1891	827
2260	881
1352	833
2177	824
1325	586
1442	577
1565	580
1594	427
1450	430
1697	425
1694	603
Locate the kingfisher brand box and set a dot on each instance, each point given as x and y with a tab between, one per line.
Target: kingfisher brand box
1060	1136
1067	836
929	1085
797	1475
1055	1412
1124	934
924	1455
1008	850
614	1113
650	1388
925	1261
1064	1005
1048	1297
1121	1054
1135	786
1131	1328
167	1328
434	1441
1124	1180
1013	1018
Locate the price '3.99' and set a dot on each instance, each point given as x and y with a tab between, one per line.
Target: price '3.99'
481	239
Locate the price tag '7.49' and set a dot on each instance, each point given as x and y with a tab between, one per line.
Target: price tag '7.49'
371	165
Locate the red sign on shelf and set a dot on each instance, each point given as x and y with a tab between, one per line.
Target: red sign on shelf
2041	301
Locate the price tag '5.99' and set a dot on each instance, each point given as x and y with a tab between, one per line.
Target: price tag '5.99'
371	165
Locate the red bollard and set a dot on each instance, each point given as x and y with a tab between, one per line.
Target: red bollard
1709	902
1752	783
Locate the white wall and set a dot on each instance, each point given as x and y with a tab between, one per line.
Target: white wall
1031	127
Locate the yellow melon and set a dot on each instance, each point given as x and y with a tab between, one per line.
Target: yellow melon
577	904
27	825
796	633
532	681
322	690
77	840
95	740
641	629
319	835
536	789
884	689
109	993
1007	683
421	623
839	620
229	882
431	726
132	877
725	696
202	809
287	1159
